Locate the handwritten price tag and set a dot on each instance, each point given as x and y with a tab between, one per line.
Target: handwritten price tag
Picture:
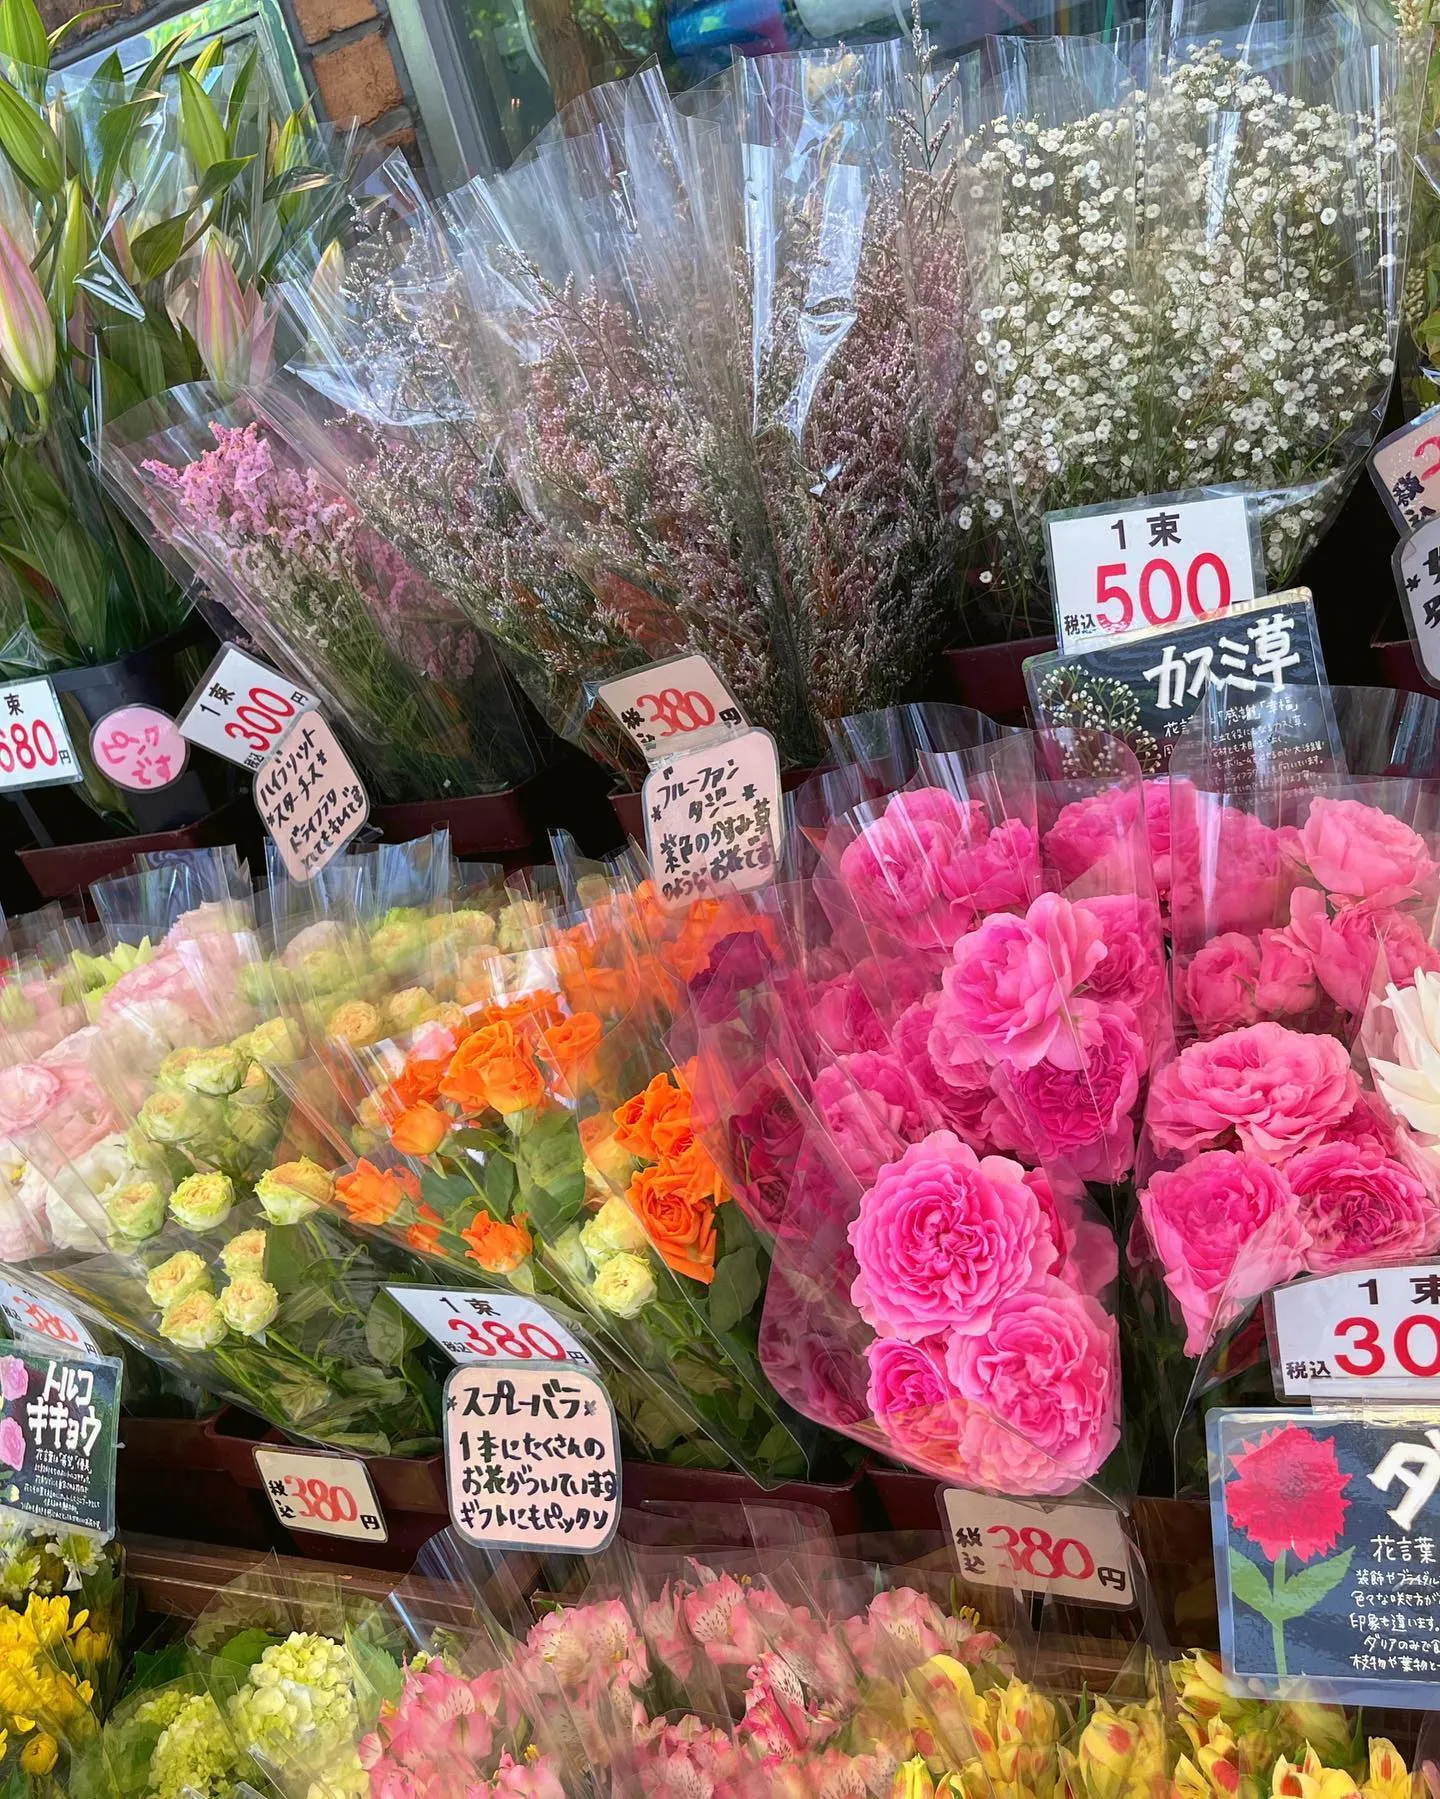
1405	466
317	1491
484	1327
1068	1550
713	819
139	747
309	797
1368	1331
680	703
35	746
241	708
31	1316
1148	565
532	1457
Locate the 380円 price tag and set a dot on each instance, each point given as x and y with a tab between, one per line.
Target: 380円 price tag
318	1491
1068	1550
241	708
486	1327
1148	564
1373	1332
532	1457
38	1317
1405	466
309	797
677	704
35	746
713	819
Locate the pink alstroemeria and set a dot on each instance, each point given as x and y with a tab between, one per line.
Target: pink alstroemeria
27	332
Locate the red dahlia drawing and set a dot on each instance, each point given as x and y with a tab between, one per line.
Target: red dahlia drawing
1288	1493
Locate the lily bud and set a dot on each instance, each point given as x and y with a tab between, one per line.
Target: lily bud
221	321
74	251
327	281
27	333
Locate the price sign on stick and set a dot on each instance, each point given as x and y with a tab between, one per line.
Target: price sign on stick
532	1457
678	704
1068	1550
309	797
35	746
139	747
488	1327
1367	1332
1148	564
325	1494
241	709
713	819
31	1315
1405	466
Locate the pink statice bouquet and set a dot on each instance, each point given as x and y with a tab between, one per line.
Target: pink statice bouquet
956	1040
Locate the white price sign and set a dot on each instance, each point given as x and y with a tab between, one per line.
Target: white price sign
241	708
1405	466
713	819
1066	1549
318	1491
484	1327
1416	564
1373	1332
677	704
1148	565
35	746
41	1319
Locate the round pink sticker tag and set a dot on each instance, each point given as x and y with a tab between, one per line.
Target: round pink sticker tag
139	747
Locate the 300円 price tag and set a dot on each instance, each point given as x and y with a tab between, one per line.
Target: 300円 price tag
487	1327
1148	565
1368	1332
35	746
318	1491
677	704
1068	1550
241	708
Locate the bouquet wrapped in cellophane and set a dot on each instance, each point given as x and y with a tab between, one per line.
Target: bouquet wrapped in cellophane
325	596
926	1085
196	1247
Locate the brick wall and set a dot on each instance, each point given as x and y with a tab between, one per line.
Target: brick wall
346	48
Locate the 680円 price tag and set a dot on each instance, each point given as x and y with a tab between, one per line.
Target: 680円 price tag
241	708
35	746
1068	1550
679	703
317	1491
30	1315
1368	1331
486	1327
1148	565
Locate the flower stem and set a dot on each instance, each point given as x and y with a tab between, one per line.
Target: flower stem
1277	1623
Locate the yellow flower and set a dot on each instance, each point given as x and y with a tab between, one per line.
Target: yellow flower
1188	1782
1310	1779
948	1719
92	1645
51	1621
911	1780
40	1754
1388	1777
1121	1752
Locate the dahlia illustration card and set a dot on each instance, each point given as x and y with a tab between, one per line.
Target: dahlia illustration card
1327	1552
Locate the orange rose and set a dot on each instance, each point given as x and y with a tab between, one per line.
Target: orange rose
372	1195
700	1179
662	1111
681	1227
540	1009
568	1043
419	1130
419	1081
499	1248
424	1234
493	1068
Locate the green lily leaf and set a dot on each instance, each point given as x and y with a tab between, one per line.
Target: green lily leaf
116	134
221	175
158	249
31	145
159	63
209	58
22	34
201	127
61	32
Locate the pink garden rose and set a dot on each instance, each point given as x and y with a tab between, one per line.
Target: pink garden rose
1367	1123
1226	1229
28	1092
1361	854
1219	984
1086	1256
1227	870
1157	829
845	1018
960	1092
1049	1366
1011	985
995	1456
867	1119
1286	984
1070	1109
892	870
1133	968
1093	832
818	1374
1274	1090
992	871
1361	1208
942	1237
911	1399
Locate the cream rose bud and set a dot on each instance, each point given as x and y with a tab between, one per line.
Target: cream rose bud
624	1286
614	1230
252	1127
171	1073
323	970
244	1254
195	1322
175	1279
399	939
257	1089
136	1209
356	1022
569	1252
177	1117
249	1303
407	1008
519	923
275	1043
214	1071
294	1190
202	1201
